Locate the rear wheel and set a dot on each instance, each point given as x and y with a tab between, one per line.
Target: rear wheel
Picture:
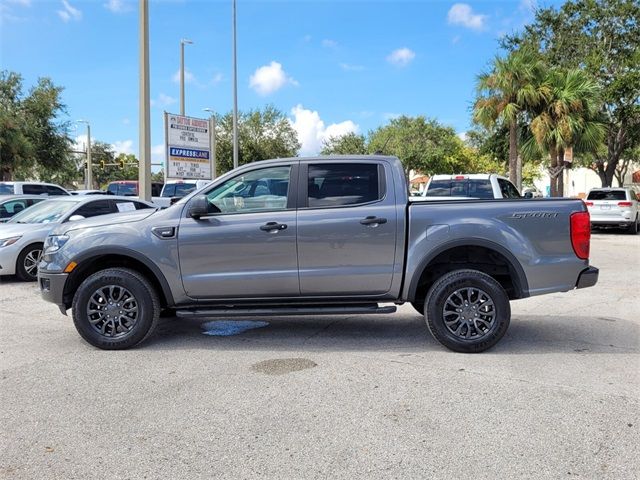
27	263
633	228
467	311
115	309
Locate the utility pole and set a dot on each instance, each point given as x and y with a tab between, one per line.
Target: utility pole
235	91
88	175
212	140
182	44
144	113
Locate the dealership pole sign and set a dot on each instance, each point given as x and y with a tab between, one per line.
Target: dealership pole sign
188	147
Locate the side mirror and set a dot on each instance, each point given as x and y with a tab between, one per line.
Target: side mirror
75	218
528	195
198	207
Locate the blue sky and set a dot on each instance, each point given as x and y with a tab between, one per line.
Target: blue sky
331	66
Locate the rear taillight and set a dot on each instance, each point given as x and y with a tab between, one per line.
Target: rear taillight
589	204
580	234
624	204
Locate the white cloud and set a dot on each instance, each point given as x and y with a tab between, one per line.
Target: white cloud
163	100
157	153
217	78
348	67
462	136
528	5
79	143
24	3
123	146
462	14
401	57
328	43
188	76
270	78
69	13
312	131
117	6
391	115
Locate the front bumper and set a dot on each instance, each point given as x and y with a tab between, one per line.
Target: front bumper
52	288
588	277
8	259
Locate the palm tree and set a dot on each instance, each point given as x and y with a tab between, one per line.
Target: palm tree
568	119
511	88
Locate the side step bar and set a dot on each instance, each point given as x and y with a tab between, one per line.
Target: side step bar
369	308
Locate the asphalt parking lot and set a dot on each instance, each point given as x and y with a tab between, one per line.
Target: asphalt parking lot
332	397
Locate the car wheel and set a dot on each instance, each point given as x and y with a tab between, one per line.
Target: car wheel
633	228
419	306
467	311
27	263
115	309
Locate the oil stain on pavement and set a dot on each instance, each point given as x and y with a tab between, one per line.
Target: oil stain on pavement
282	366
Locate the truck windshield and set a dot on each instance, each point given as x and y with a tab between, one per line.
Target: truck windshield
178	189
125	189
460	188
45	212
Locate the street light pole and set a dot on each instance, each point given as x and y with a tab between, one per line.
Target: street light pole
88	176
144	107
182	44
235	91
212	139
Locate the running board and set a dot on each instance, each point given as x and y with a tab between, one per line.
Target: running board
372	308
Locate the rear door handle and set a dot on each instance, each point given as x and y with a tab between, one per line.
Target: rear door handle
273	227
373	220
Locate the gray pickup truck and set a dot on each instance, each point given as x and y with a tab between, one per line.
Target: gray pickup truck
327	235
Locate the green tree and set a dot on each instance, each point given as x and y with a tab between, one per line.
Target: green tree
31	135
262	134
348	144
421	144
504	95
567	119
603	38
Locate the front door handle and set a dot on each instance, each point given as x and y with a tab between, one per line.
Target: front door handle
373	221
273	227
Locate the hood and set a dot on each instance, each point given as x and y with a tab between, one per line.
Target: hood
8	230
102	220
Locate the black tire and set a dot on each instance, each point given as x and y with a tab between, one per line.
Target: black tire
483	316
108	291
633	228
26	270
418	306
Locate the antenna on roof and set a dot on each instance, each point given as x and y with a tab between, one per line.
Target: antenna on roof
381	151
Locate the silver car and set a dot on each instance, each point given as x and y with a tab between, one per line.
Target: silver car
614	207
22	237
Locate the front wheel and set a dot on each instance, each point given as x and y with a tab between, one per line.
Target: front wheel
27	263
467	311
115	309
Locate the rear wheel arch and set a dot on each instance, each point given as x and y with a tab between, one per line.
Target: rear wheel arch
92	262
503	266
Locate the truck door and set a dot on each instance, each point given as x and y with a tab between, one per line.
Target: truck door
346	228
247	247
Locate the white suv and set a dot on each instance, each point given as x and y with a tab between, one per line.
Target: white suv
31	188
614	207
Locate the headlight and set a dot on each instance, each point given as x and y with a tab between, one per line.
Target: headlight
53	243
5	242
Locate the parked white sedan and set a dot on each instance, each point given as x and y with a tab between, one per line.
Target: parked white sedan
22	237
614	207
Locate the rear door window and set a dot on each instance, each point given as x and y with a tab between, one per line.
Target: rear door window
95	208
53	190
6	189
340	184
508	189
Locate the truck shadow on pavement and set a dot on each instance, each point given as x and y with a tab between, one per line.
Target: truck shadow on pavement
528	334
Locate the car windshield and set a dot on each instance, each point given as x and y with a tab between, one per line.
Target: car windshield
607	195
44	212
6	189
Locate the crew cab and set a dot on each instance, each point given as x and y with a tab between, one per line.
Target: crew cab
322	235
